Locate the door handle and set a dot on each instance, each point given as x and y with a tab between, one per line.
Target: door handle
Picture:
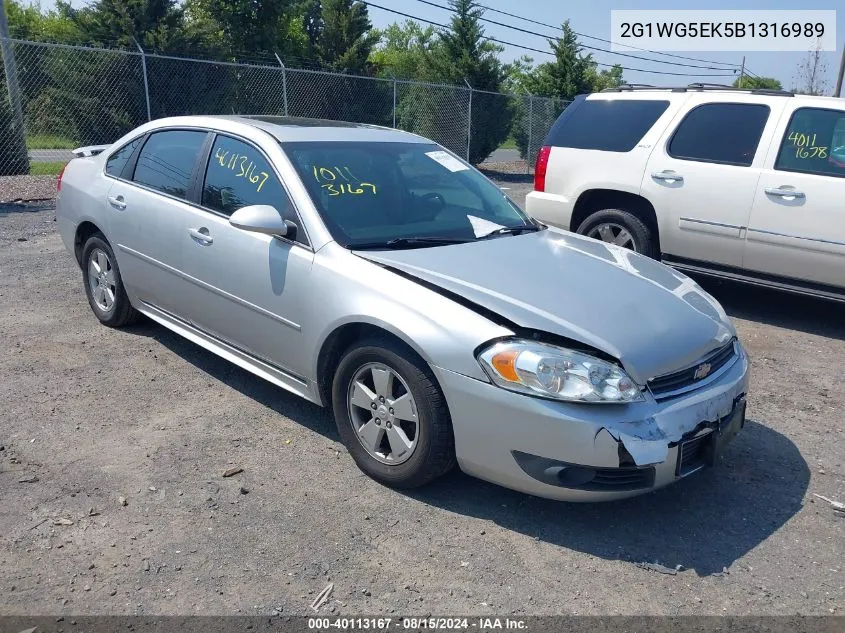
785	192
667	175
201	235
117	202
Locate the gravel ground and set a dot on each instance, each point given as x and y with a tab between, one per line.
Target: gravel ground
114	445
27	188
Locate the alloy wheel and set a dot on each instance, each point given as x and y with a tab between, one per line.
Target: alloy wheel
613	234
101	279
383	413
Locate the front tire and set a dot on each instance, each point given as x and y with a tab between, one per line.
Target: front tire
620	227
391	414
103	285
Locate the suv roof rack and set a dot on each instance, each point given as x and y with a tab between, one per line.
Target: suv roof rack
701	86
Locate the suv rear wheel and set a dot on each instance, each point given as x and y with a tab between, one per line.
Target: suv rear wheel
620	227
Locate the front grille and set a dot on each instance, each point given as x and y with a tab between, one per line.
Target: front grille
685	379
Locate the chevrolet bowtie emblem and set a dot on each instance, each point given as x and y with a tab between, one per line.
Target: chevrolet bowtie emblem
702	371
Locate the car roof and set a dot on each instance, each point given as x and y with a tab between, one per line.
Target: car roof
718	92
285	129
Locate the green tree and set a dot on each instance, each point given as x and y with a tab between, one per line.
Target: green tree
519	75
404	51
29	22
570	74
466	55
256	27
755	83
345	36
154	24
602	80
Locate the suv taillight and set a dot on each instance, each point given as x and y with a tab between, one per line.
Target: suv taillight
540	168
59	179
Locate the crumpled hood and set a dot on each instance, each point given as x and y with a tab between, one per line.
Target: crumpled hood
652	318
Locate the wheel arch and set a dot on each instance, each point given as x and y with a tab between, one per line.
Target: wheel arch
594	200
83	233
342	337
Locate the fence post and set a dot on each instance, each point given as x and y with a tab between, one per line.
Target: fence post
469	119
284	81
11	70
530	130
394	100
146	83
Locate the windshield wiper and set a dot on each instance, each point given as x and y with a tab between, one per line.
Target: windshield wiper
409	242
511	230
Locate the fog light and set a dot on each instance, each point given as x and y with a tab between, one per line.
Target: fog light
571	476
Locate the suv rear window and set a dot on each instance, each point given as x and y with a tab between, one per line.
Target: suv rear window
610	125
814	143
725	133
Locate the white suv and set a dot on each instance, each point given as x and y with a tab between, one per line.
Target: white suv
743	184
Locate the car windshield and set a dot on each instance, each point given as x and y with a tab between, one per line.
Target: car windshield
392	195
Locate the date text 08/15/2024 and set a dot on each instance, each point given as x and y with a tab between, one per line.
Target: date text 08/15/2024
422	623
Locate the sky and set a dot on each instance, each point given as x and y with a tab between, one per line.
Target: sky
592	17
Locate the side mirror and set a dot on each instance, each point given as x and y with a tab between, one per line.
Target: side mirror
262	218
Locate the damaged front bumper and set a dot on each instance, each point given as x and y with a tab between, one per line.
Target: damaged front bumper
588	452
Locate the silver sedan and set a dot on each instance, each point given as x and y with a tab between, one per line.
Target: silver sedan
373	271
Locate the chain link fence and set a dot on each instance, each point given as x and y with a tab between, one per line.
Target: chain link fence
56	97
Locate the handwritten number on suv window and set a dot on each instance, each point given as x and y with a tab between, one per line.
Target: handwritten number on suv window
245	170
333	181
805	146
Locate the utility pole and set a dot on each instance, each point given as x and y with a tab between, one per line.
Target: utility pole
742	73
11	70
838	91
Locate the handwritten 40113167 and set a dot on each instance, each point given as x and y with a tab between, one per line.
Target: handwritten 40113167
340	180
238	164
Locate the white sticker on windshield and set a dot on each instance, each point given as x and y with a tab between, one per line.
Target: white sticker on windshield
481	227
447	160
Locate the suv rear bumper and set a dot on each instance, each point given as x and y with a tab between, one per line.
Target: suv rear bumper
550	208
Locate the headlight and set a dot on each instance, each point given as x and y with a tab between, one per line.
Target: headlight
555	372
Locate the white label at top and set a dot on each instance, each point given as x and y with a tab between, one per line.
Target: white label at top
447	160
740	30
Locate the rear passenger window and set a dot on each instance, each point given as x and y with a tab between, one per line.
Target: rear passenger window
610	125
725	133
814	143
167	161
118	160
237	176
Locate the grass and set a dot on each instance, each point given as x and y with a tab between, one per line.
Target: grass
49	141
508	144
46	169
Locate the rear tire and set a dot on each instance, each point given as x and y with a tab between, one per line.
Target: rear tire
622	228
103	284
405	450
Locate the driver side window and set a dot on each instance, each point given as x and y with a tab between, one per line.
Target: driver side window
238	175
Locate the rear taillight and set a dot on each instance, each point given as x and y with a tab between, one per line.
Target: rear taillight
59	179
540	168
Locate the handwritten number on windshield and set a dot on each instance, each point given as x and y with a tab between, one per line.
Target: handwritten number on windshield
244	169
340	180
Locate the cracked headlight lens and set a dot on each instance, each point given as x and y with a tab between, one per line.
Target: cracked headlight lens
556	372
